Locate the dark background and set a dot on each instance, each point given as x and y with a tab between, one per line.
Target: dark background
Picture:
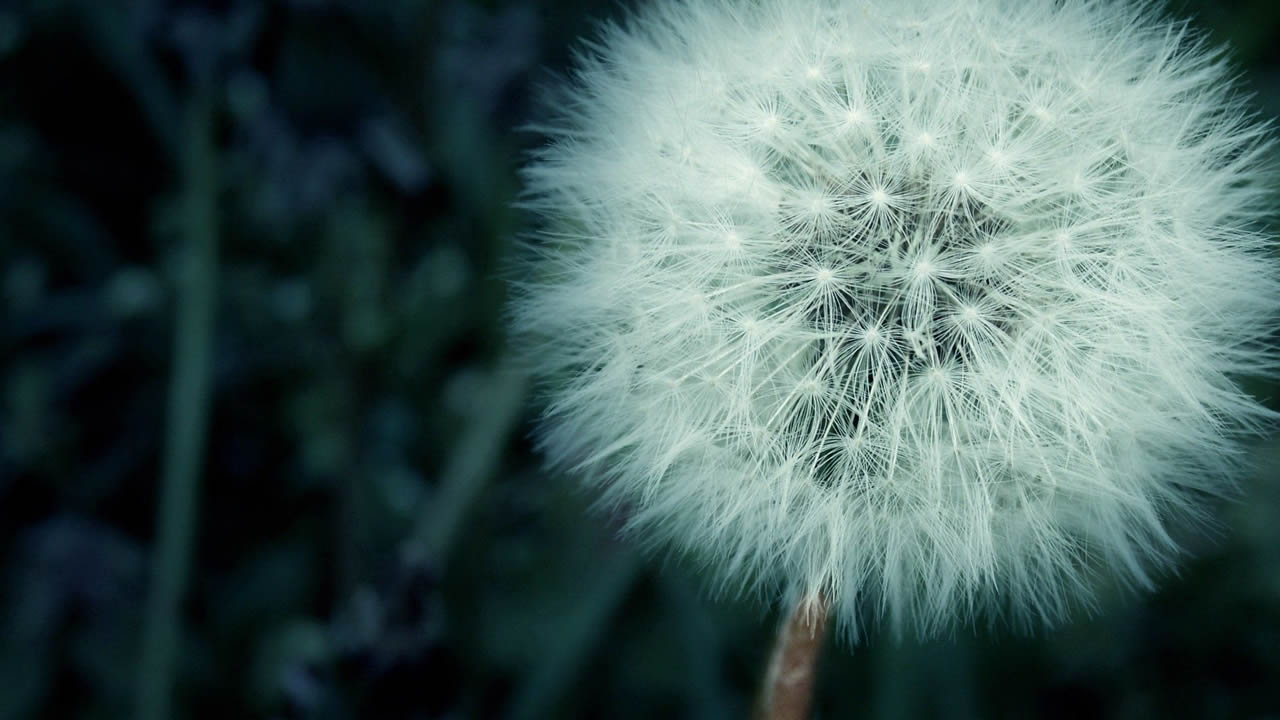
372	533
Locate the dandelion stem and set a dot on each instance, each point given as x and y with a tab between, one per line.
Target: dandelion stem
187	415
787	691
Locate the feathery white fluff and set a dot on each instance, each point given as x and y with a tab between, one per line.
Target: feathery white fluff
932	306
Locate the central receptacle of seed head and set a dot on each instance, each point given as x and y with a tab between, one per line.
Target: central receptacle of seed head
887	272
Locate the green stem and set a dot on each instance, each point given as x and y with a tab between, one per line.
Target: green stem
187	413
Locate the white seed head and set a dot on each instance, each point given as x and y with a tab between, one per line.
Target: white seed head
934	307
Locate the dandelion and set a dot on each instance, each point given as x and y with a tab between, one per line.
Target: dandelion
927	309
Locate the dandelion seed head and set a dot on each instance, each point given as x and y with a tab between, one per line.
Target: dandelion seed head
938	308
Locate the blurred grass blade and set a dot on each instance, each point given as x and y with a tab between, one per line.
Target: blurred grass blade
473	461
582	630
188	414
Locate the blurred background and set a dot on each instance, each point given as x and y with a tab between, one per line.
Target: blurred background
260	456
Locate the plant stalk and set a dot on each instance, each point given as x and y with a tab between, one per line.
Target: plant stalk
188	411
787	691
